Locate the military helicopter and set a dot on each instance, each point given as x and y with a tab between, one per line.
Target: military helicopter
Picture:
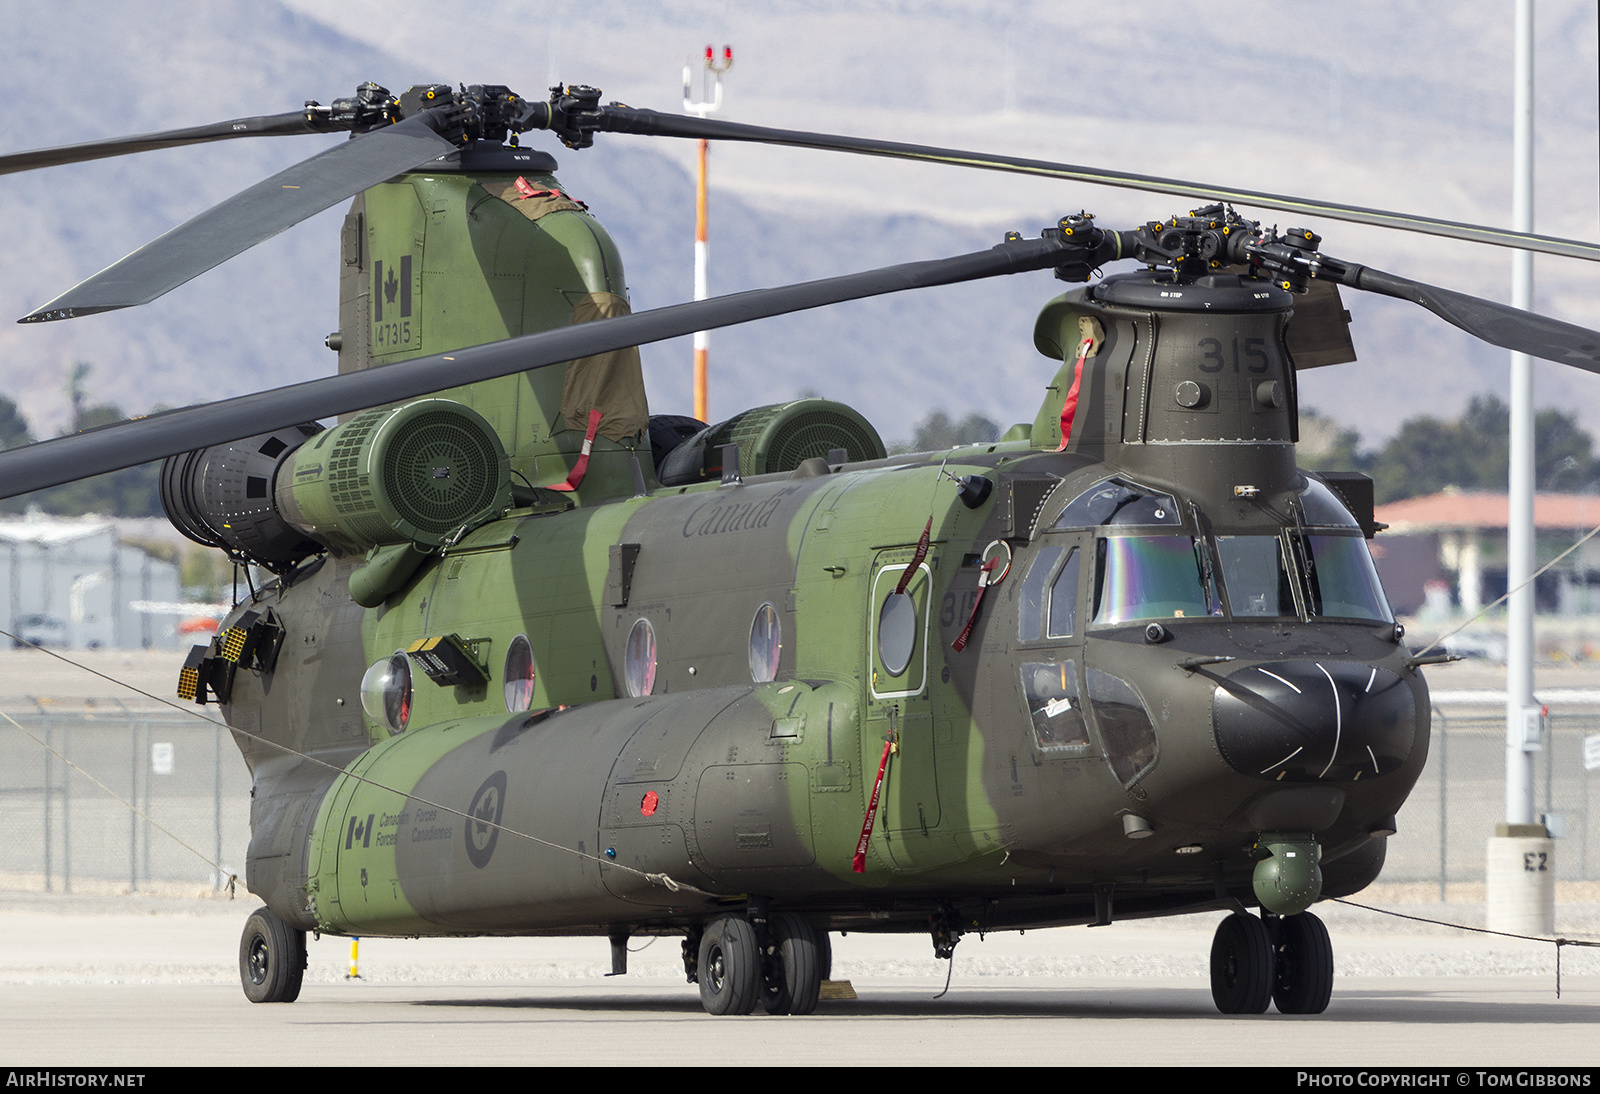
535	662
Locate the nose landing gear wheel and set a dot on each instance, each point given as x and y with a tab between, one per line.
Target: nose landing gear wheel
793	975
1303	962
730	966
272	959
1241	965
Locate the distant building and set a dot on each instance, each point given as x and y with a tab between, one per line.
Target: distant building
70	582
1448	551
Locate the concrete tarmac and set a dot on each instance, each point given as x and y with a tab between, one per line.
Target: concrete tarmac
140	981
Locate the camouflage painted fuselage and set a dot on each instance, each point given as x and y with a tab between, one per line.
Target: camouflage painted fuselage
761	788
1068	761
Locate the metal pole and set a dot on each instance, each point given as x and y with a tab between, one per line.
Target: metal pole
133	817
66	813
216	804
49	777
149	798
1521	737
1444	828
703	106
1521	900
702	340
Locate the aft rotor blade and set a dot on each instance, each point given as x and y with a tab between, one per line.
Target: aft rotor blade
269	125
1498	324
250	217
125	444
624	119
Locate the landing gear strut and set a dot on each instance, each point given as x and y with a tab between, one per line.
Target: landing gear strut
1287	961
272	959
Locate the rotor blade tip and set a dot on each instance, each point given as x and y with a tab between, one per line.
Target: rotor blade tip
51	315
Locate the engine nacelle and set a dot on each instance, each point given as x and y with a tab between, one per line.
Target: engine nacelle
414	473
773	438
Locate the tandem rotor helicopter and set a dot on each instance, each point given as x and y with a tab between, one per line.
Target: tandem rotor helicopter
535	661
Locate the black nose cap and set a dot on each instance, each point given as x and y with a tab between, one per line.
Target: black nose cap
1314	721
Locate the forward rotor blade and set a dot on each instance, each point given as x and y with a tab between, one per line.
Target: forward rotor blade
124	444
624	119
1498	324
270	125
251	216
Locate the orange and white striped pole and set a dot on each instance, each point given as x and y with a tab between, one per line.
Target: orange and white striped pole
713	68
702	340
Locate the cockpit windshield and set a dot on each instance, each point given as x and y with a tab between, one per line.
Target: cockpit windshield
1153	577
1316	565
1343	581
1262	576
1253	572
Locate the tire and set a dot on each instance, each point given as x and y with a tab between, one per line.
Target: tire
272	959
824	955
793	974
1241	965
1302	981
730	966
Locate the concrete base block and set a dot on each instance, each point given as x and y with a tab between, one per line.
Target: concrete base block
1521	888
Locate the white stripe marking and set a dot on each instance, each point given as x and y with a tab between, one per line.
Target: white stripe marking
1283	761
1338	719
1281	680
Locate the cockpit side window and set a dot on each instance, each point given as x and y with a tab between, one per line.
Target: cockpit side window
1063	621
1031	604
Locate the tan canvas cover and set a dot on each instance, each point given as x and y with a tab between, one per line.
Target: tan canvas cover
613	382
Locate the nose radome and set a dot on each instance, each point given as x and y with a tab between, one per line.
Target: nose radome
1309	721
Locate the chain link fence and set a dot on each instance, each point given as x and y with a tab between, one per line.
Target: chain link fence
185	774
1446	823
180	772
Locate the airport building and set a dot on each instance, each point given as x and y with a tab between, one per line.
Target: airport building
73	583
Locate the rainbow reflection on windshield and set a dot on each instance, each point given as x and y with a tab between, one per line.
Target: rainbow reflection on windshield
1151	577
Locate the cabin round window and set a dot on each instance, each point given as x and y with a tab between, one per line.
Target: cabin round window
640	659
519	675
766	644
386	692
897	632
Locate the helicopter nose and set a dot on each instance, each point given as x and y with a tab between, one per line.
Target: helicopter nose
1314	721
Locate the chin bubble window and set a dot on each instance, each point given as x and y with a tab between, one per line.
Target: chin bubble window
766	644
386	692
519	675
640	664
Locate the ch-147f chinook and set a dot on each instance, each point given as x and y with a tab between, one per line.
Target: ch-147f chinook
536	662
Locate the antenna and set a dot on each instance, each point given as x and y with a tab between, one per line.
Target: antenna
708	101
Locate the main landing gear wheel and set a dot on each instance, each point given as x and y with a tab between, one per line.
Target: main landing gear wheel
793	976
1241	965
272	959
1303	960
730	966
